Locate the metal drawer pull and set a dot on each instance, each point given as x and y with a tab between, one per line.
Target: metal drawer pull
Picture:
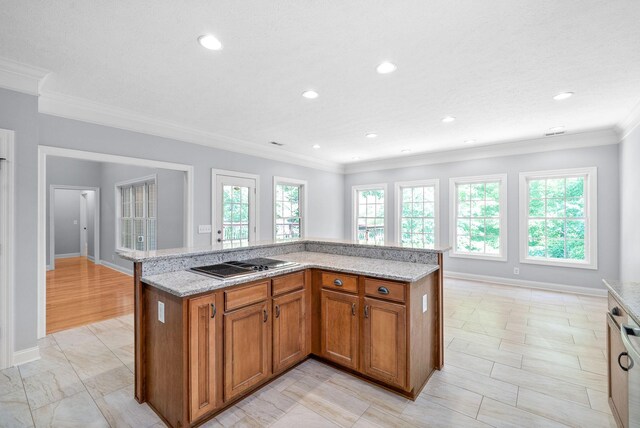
366	311
337	282
353	309
629	361
615	311
213	310
383	290
277	311
266	315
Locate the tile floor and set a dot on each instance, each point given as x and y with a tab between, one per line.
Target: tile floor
515	357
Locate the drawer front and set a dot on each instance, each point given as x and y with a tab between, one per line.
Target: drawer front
339	281
617	312
388	290
243	296
287	283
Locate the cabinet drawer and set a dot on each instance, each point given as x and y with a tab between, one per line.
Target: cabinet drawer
243	296
618	314
287	283
339	281
387	290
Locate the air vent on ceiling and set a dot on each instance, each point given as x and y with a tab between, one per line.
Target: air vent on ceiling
275	143
554	131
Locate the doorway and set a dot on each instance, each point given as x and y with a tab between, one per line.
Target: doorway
235	208
7	216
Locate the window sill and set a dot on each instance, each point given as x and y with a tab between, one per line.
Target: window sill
498	258
560	263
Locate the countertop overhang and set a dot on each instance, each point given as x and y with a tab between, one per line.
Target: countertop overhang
628	294
184	283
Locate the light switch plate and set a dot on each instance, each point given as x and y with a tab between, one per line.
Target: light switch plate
161	312
204	228
424	303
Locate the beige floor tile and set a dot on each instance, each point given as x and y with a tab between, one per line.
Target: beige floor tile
14	410
92	359
75	337
480	384
266	405
231	416
502	415
599	400
288	379
47	341
541	354
500	333
381	398
51	358
122	410
452	397
10	380
468	362
109	381
576	376
481	339
50	386
595	365
375	417
572	349
76	411
488	353
302	416
424	413
540	332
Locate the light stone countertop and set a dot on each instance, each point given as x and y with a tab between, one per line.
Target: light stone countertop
186	283
627	293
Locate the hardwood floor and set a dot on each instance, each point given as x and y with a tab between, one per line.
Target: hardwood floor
515	357
80	292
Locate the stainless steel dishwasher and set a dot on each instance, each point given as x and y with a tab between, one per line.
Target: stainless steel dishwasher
631	339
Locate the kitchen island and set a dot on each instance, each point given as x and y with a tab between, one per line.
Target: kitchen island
203	343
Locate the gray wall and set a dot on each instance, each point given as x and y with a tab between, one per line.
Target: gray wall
630	207
604	157
66	212
19	112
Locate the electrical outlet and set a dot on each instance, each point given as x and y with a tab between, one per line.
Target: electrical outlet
161	312
424	303
75	221
204	228
516	271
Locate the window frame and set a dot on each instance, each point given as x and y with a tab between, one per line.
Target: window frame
118	204
453	211
354	208
399	185
591	217
302	204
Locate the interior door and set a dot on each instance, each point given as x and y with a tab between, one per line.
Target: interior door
235	210
83	225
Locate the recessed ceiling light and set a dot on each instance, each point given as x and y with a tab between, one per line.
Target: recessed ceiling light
563	96
356	158
310	94
469	141
209	41
448	119
405	151
556	129
371	135
316	146
386	68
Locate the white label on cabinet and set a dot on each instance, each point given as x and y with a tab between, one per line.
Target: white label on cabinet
161	312
424	303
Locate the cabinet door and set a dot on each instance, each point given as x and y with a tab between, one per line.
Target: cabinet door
289	330
385	341
205	356
618	378
339	328
247	348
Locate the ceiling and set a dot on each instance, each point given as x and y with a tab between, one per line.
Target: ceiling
495	65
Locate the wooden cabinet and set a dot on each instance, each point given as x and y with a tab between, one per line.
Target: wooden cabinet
385	341
289	330
339	328
205	355
247	348
618	378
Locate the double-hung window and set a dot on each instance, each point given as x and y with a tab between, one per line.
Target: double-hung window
417	211
136	223
558	221
289	208
479	217
369	214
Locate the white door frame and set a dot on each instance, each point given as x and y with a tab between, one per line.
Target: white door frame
215	173
7	236
52	222
43	152
84	239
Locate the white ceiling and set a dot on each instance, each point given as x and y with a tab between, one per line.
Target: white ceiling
495	65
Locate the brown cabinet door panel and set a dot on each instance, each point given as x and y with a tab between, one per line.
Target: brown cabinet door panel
339	328
247	351
618	378
289	330
385	341
205	356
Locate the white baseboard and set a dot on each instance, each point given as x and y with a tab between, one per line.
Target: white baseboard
92	259
67	256
564	288
116	267
49	267
26	356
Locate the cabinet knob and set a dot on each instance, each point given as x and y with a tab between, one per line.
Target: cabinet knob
337	282
629	361
366	311
266	315
383	290
277	311
213	310
615	311
353	309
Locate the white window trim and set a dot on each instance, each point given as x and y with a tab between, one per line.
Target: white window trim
398	205
118	203
302	202
453	200
591	211
354	208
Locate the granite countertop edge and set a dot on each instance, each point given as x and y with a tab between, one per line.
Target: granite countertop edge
627	293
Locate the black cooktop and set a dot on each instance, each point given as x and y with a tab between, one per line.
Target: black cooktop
235	268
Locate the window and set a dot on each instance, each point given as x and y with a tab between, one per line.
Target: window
558	217
289	208
479	217
417	213
136	223
369	214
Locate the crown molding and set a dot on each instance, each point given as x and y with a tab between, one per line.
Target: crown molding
629	123
102	114
21	77
594	138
